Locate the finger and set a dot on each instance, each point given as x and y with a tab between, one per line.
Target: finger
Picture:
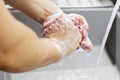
79	21
83	23
86	44
52	20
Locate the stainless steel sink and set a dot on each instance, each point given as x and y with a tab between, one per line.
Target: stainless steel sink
80	63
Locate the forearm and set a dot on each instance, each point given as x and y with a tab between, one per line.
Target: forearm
37	9
20	48
29	53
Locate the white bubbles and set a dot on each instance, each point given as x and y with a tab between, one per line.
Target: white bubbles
75	75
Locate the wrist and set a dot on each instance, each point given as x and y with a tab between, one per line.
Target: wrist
39	10
48	12
43	9
60	46
55	48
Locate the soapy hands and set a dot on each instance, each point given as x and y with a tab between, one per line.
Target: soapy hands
68	32
60	29
83	26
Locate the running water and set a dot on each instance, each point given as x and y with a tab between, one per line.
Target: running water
114	12
112	17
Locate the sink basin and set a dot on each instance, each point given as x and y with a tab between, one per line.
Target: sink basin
80	65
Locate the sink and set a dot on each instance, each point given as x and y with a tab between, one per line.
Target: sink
80	65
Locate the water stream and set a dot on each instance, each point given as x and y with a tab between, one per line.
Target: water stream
113	15
109	26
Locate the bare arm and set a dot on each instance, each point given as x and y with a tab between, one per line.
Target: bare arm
37	9
20	48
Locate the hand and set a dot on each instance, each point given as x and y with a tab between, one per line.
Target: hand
60	29
82	24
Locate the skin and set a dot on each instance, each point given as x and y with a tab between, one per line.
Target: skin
39	10
20	48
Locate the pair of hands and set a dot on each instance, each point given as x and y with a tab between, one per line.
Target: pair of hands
67	31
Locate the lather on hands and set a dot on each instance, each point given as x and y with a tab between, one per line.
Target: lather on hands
65	32
83	26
